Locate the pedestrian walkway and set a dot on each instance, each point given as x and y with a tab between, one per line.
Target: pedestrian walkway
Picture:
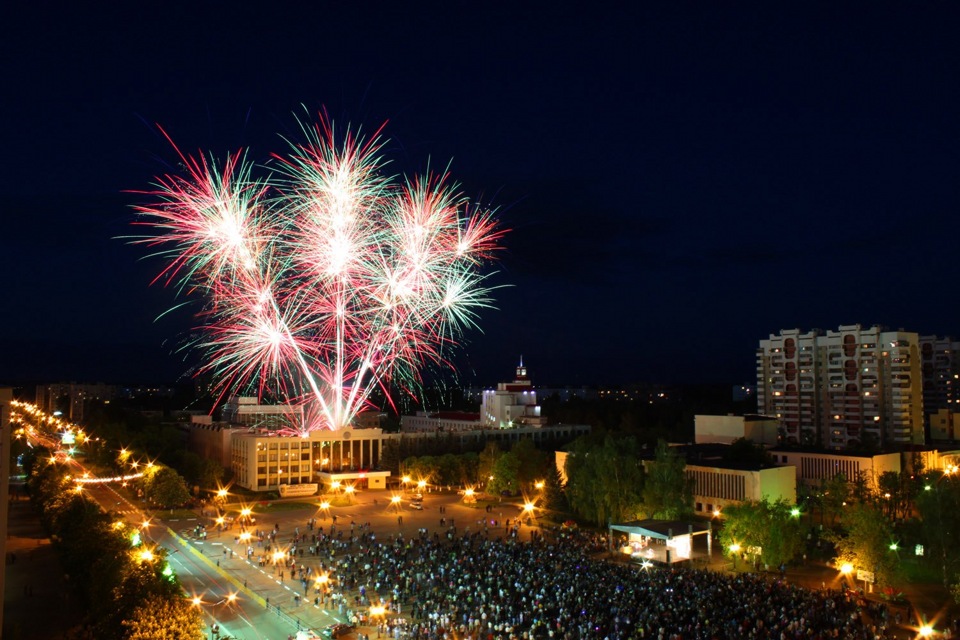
37	604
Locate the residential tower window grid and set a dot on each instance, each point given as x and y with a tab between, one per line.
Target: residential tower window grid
842	388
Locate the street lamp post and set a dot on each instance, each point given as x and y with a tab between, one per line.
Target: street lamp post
734	550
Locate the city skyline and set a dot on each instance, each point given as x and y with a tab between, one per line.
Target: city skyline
679	183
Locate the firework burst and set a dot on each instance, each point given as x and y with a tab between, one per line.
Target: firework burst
325	279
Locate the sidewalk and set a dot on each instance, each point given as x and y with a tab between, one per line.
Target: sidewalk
37	602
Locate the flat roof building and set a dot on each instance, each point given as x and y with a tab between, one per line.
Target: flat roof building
263	460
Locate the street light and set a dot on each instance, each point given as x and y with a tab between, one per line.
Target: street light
378	611
528	509
734	550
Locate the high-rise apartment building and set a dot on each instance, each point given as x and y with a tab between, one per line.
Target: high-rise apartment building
843	388
940	367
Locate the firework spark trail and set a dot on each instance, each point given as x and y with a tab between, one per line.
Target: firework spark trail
325	279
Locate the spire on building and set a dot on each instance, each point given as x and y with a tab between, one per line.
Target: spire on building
521	370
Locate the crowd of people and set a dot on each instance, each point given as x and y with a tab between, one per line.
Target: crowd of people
474	585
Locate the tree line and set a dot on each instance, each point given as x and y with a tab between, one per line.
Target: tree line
126	587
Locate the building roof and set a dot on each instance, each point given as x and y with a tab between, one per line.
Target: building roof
456	415
662	529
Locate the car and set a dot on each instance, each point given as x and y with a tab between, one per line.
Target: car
336	630
416	505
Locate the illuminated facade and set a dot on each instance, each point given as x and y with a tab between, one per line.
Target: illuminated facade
715	487
511	404
843	387
262	461
814	468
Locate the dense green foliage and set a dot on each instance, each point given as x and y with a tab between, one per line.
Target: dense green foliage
158	618
668	492
864	540
605	480
112	578
766	532
165	488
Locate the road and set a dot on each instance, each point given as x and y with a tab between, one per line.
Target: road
233	593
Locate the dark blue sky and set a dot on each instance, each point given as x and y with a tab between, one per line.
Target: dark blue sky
680	182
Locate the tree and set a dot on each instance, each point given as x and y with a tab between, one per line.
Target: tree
506	474
165	488
422	468
771	529
891	493
531	464
161	618
743	451
448	469
390	456
554	498
938	507
488	460
864	540
834	494
860	487
668	492
469	463
605	480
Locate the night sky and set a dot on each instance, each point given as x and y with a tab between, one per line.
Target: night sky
679	182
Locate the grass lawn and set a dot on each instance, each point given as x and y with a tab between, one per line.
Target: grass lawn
276	507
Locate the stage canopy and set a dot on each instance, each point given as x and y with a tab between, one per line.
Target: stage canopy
664	541
662	529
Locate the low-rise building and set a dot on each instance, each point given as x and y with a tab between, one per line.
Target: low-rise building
440	421
725	429
815	467
716	487
248	411
264	460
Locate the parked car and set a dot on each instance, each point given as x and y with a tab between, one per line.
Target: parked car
338	630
